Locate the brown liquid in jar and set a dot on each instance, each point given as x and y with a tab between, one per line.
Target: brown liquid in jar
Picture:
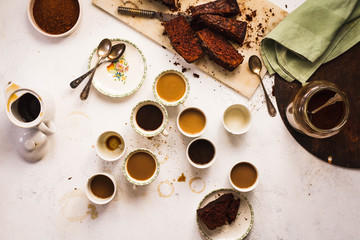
141	166
243	175
149	117
328	117
102	186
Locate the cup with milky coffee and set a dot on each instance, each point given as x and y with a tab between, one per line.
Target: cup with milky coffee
244	176
141	167
149	118
101	188
171	88
191	121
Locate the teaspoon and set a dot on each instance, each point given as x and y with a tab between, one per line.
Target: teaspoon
255	67
116	52
334	99
102	51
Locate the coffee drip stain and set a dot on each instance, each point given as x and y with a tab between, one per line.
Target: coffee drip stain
92	211
182	178
165	186
197	184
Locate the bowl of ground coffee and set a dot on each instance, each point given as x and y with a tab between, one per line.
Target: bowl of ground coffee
55	18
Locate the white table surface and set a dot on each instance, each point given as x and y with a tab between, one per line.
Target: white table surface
298	197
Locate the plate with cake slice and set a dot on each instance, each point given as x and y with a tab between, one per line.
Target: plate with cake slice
122	77
224	214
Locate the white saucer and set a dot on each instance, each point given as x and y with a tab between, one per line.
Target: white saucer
123	77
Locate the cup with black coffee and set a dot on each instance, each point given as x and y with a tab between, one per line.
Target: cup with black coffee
101	188
201	153
149	118
141	167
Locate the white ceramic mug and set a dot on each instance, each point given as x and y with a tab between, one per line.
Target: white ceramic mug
149	132
244	176
191	121
27	108
168	90
237	119
142	167
110	146
101	183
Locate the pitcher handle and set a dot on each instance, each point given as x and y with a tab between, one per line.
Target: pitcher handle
47	127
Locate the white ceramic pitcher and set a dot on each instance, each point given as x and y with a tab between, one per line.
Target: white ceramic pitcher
27	108
33	111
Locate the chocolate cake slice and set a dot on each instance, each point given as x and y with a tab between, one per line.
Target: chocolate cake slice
219	49
218	7
219	212
231	28
183	39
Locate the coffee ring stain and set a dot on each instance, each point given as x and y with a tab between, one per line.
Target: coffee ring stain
69	198
167	182
193	184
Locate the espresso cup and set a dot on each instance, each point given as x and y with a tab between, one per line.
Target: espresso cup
191	121
201	153
244	176
171	88
27	108
101	188
237	119
110	146
149	118
141	167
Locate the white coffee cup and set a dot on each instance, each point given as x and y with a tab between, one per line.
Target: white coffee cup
27	108
191	121
237	119
244	176
110	146
155	122
171	88
201	153
101	188
141	167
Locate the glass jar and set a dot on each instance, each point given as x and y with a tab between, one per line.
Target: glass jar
305	116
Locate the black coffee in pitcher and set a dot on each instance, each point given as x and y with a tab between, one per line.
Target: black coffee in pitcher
28	107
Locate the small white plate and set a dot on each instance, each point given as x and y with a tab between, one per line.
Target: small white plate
122	78
237	229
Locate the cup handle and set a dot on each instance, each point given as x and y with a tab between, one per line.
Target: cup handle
47	127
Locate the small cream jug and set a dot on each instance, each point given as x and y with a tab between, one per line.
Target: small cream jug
27	108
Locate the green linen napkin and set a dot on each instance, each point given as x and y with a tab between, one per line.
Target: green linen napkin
314	33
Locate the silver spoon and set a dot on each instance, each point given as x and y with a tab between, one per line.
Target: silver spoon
255	67
116	52
334	99
102	51
77	81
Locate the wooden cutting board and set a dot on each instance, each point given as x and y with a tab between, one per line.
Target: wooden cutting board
342	149
261	16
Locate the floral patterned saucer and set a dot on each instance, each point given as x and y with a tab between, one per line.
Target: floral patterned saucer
123	77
